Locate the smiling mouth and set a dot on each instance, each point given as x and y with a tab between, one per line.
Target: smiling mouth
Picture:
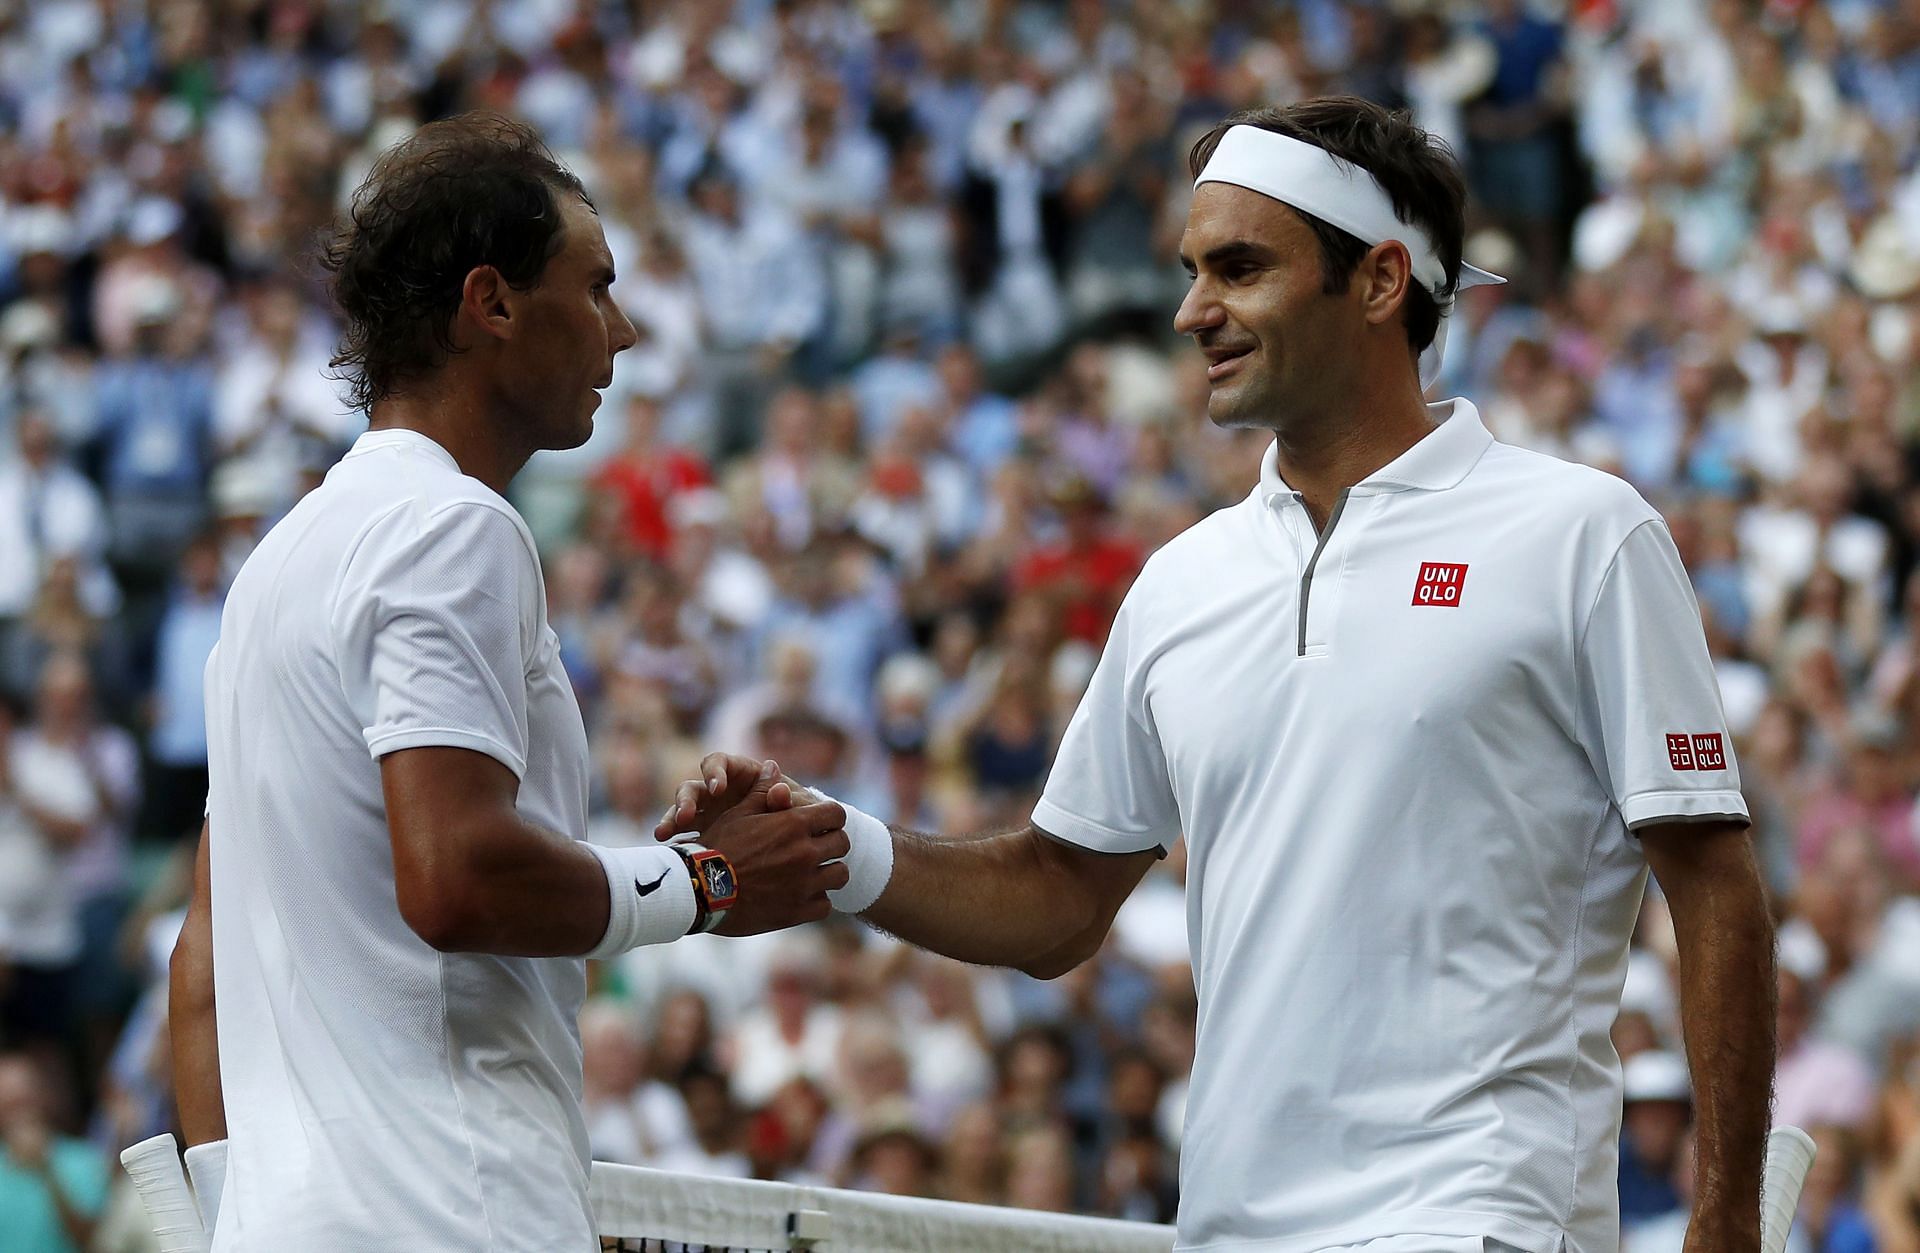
1221	366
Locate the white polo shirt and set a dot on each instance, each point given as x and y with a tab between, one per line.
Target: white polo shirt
1406	753
380	1094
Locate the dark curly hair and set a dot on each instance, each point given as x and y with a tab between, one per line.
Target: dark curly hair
477	189
1416	171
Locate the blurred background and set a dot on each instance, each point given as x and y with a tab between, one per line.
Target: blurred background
905	416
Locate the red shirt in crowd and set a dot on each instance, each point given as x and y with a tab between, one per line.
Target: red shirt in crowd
1089	578
646	487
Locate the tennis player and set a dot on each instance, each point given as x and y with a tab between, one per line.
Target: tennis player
1426	708
391	881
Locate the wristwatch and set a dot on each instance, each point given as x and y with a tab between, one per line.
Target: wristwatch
715	890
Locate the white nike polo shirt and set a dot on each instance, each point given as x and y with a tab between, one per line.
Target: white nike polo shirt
1407	753
380	1094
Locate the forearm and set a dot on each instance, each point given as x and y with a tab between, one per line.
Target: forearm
193	1038
1727	993
999	899
522	892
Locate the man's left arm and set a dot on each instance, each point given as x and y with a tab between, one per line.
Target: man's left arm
1727	991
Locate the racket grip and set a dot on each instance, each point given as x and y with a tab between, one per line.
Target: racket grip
154	1167
1789	1157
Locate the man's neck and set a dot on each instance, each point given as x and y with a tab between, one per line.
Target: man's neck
1330	452
457	420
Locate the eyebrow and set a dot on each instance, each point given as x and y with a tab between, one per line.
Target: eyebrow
1232	250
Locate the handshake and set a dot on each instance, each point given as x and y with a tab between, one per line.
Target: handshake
795	855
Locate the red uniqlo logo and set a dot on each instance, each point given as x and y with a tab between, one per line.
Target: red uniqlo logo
1697	752
1439	584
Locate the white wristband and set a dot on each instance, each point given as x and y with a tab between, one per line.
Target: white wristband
869	862
650	897
207	1167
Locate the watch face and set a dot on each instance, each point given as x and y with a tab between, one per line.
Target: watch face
718	877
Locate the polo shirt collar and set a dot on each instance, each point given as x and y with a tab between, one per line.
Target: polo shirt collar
403	437
1437	462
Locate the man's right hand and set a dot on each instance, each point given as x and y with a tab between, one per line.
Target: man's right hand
726	779
777	849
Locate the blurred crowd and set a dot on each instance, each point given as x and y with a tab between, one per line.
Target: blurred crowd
905	416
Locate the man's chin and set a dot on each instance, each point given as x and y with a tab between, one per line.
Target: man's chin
1233	407
578	433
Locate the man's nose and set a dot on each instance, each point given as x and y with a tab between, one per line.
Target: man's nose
1198	310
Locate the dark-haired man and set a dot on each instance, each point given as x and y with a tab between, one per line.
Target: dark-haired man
1425	708
391	896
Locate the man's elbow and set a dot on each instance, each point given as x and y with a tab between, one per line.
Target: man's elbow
443	914
190	968
1053	965
1068	956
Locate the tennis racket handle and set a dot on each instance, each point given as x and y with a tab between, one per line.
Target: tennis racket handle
154	1167
1789	1157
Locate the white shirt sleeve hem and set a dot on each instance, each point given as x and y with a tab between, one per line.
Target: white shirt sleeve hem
1061	825
446	737
1648	808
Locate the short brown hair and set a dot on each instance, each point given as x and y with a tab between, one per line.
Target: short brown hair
473	190
1416	170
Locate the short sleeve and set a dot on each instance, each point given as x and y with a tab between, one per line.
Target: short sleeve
1109	789
1650	713
434	626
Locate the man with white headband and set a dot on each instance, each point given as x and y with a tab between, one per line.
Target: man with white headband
1426	708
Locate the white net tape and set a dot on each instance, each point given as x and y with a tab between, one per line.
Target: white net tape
640	1209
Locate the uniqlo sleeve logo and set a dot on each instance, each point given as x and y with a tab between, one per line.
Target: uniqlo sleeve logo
1439	584
1697	752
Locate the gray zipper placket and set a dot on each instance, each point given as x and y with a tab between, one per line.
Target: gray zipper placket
1306	578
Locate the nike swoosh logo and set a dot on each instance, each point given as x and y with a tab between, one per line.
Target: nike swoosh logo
648	888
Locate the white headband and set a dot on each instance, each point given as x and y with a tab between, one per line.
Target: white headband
1341	194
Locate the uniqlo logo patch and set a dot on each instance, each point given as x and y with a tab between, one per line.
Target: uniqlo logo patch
1696	752
1439	584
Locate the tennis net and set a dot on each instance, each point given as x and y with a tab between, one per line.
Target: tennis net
651	1211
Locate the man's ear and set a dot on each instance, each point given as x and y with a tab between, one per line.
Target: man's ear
1385	274
487	306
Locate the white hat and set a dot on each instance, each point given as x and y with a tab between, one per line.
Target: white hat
152	219
1886	262
153	298
27	324
39	228
1803	954
1780	314
702	506
908	676
1648	989
1657	1075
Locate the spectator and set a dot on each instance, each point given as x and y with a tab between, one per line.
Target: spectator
644	479
39	924
48	510
1087	571
176	787
154	416
763	294
630	1117
905	416
52	1187
1659	1109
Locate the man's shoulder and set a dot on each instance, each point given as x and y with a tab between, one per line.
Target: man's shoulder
1546	489
1198	560
428	502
